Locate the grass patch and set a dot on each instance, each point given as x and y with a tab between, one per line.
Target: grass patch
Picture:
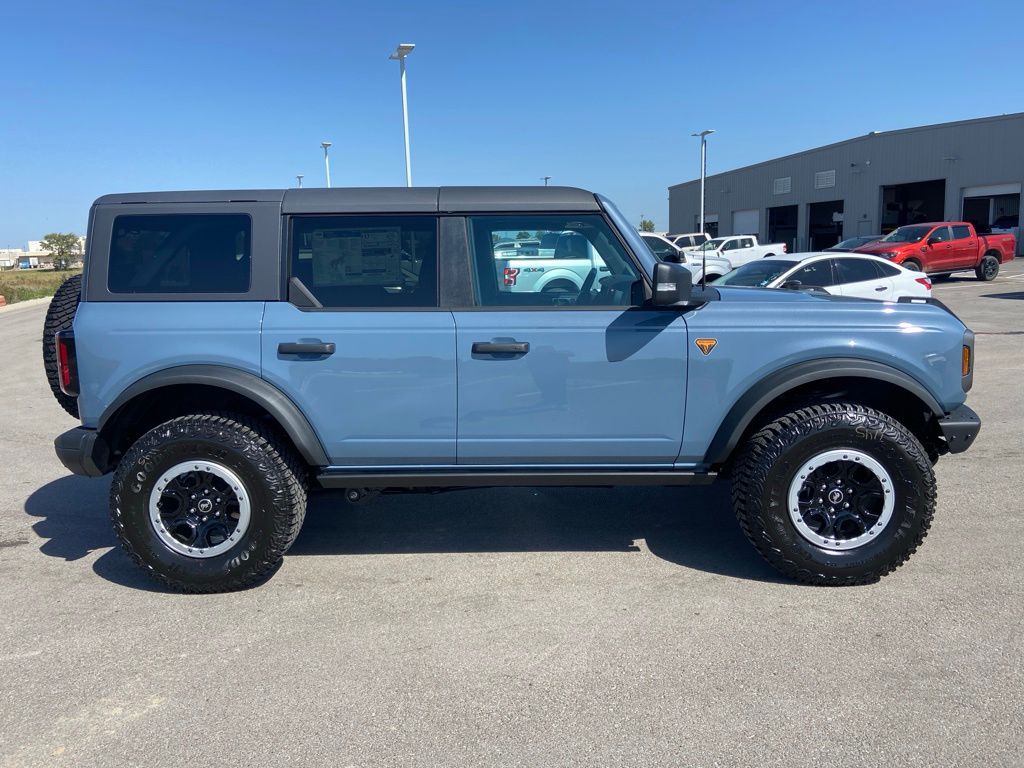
24	284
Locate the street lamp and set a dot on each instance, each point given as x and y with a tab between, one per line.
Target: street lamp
327	161
703	170
298	178
403	50
545	178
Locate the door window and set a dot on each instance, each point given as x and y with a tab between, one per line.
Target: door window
661	249
746	243
367	261
961	232
857	270
940	235
580	263
818	274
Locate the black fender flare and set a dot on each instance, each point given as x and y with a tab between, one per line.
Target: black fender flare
287	414
785	379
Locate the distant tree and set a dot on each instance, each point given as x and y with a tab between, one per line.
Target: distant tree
522	235
65	247
646	225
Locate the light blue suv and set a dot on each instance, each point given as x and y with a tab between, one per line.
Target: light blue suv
227	350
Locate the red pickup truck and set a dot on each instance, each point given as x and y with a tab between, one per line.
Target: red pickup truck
940	248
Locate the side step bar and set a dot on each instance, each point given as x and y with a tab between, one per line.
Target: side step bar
508	478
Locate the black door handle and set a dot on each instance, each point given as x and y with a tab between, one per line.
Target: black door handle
306	348
501	347
880	288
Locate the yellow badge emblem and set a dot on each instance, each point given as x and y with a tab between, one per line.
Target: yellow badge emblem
706	345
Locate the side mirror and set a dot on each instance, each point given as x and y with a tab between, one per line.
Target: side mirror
933	240
792	285
673	284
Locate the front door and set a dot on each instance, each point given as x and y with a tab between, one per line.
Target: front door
584	377
941	253
373	369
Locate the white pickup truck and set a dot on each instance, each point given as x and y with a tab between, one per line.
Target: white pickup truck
738	249
559	263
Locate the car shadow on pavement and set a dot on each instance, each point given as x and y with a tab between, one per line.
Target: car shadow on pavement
74	522
692	527
1013	295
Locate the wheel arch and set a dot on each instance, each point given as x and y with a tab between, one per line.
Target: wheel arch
558	273
815	381
177	391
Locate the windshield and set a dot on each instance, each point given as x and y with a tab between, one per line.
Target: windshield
853	242
756	273
906	234
712	245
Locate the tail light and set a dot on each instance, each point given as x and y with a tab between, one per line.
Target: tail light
67	362
924	281
785	248
511	275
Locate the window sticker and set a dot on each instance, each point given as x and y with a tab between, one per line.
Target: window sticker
367	257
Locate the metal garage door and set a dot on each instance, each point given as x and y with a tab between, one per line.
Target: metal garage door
746	222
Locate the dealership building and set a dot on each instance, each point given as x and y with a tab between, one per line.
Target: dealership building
969	170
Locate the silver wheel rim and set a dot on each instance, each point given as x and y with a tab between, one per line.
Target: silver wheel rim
218	518
841	499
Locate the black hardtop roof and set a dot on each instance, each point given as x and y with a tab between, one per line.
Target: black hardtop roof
382	199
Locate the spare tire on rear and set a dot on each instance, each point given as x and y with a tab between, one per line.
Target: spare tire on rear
60	316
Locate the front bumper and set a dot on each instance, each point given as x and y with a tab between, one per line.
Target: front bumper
960	427
83	451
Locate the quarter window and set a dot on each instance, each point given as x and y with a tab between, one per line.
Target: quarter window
579	263
367	261
180	253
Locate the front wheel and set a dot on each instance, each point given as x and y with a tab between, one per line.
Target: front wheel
208	503
912	265
834	494
987	269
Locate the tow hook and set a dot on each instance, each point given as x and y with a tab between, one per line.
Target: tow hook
361	495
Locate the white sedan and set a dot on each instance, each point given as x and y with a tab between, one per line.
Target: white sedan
846	274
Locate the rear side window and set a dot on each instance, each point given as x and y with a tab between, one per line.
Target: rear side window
887	270
367	261
180	253
857	270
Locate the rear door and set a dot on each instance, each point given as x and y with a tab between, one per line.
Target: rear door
586	378
862	278
373	369
965	246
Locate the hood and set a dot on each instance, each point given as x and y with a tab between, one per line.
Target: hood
881	247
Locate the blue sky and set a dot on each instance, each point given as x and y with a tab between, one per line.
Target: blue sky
105	97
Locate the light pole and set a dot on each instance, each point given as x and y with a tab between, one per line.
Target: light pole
703	169
298	178
327	161
545	180
403	50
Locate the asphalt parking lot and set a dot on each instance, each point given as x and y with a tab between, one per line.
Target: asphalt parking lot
517	627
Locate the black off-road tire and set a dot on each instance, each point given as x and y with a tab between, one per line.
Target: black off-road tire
59	317
987	269
273	478
770	461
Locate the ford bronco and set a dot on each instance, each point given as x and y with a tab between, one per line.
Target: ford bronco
225	351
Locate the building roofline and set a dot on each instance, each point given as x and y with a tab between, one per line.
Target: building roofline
864	137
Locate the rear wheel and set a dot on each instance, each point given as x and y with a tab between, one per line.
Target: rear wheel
208	503
560	286
59	317
940	278
988	268
834	494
